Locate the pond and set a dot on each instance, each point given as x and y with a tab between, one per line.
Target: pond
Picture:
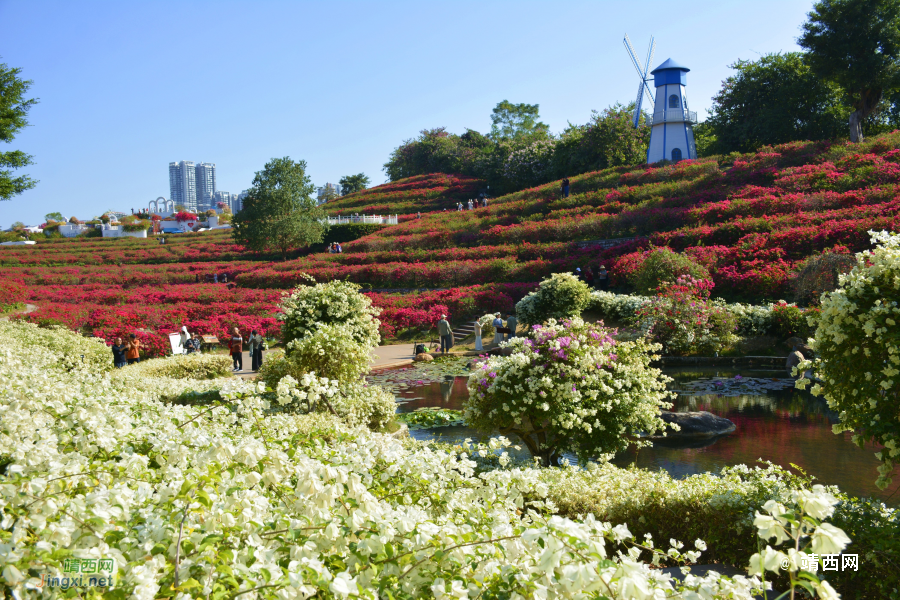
782	426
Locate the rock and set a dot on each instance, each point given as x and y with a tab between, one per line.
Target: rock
694	425
423	357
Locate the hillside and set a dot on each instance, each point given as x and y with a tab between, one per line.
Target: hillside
422	193
751	219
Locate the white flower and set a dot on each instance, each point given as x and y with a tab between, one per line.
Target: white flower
828	539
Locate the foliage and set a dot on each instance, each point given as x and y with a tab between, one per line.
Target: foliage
857	342
609	139
875	531
137	226
348	232
560	296
855	44
516	122
788	320
430	417
569	387
331	351
181	366
350	184
774	100
337	303
820	274
279	212
682	321
185	216
662	265
54	216
13	118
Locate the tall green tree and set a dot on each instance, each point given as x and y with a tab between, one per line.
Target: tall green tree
856	44
516	121
54	216
354	183
609	139
14	109
280	213
774	100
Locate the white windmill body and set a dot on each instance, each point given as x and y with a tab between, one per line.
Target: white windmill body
672	135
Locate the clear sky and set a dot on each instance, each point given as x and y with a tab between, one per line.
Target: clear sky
127	87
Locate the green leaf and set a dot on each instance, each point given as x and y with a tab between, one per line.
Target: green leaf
190	583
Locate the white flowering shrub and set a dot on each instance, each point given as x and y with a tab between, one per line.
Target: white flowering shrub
330	351
306	393
308	307
358	404
181	366
530	165
236	500
487	325
72	350
803	527
569	387
561	296
857	341
752	319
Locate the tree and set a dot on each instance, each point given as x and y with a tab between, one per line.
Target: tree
13	118
516	121
280	212
561	296
855	44
54	216
609	139
353	183
773	100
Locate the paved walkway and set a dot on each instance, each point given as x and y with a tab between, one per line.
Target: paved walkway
392	356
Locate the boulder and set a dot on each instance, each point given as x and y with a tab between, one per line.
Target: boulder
694	425
423	357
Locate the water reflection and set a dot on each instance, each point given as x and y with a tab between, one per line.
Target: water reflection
784	427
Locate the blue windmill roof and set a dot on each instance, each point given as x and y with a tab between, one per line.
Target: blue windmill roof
670	64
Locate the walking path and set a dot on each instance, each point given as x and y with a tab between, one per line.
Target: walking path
392	356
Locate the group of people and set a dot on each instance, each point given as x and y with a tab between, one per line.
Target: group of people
126	353
335	248
595	277
256	343
130	352
214	278
161	240
502	331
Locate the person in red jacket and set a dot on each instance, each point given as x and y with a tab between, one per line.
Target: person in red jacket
237	348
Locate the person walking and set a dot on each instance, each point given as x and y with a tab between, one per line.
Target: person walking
119	349
478	345
497	323
192	344
471	206
339	249
446	334
215	278
602	278
511	323
565	187
133	350
418	215
236	345
255	347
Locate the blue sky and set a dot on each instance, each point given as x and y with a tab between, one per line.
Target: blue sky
127	87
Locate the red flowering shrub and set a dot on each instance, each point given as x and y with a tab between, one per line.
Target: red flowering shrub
681	318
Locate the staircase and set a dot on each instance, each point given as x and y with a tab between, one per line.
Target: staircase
464	331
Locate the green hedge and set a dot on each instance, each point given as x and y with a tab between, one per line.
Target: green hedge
345	233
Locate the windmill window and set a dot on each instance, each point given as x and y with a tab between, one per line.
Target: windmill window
676	154
673	101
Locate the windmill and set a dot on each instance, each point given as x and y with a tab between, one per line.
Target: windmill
644	74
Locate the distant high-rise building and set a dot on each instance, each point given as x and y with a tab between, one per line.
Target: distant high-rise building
324	191
205	175
237	202
183	184
223	197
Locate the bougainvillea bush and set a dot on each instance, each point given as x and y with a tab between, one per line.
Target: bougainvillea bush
560	296
569	387
857	342
682	320
235	499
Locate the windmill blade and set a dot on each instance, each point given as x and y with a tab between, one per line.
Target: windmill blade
634	60
649	62
637	104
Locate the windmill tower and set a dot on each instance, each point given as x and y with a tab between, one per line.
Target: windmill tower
672	136
644	85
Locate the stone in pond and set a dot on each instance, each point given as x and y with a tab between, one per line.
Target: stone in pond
423	357
694	425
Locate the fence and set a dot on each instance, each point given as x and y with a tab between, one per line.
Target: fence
365	219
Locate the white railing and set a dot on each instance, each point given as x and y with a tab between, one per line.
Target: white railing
365	219
674	115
